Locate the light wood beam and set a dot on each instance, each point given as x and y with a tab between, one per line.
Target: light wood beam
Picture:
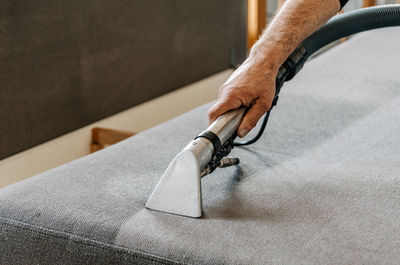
256	20
367	3
103	137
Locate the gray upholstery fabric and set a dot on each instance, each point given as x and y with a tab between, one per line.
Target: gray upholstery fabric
322	186
66	64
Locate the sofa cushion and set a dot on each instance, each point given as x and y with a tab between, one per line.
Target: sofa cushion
322	185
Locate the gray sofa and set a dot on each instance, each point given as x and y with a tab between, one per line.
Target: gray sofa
322	186
67	64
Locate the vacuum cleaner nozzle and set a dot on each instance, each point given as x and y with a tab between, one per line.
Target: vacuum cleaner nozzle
179	189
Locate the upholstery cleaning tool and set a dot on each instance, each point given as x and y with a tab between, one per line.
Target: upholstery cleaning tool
179	189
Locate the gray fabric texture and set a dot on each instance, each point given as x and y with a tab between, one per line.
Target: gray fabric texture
322	186
29	244
67	64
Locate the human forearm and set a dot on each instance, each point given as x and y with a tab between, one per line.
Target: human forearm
295	21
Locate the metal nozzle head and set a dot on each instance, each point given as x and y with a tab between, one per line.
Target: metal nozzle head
179	189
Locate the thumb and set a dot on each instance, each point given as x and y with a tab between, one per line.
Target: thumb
251	118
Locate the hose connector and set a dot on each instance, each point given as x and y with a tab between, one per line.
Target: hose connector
295	62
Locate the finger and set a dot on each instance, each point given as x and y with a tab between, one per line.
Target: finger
221	107
251	118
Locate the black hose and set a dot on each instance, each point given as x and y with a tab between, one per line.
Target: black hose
260	132
353	22
338	27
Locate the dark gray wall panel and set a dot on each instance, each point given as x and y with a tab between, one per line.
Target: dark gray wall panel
66	64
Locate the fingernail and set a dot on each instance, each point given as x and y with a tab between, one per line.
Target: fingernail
243	132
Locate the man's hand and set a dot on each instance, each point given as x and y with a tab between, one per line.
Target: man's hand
251	85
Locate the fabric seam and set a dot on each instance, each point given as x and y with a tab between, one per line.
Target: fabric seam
88	242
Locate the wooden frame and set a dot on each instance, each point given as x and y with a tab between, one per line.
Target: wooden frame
256	20
367	3
103	137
